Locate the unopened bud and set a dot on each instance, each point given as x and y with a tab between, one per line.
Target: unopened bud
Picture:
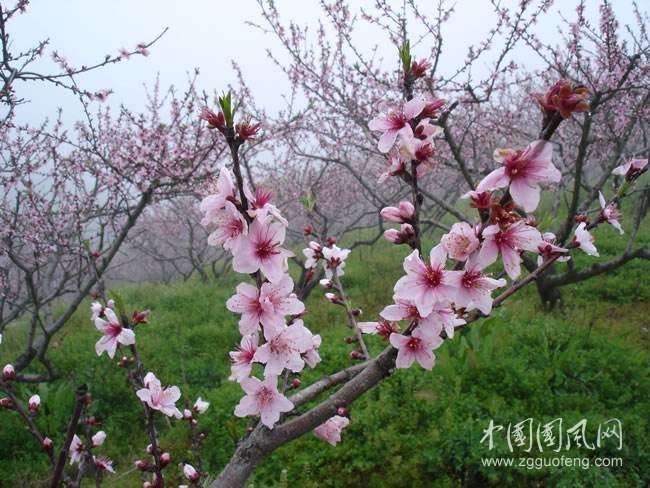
349	339
141	465
356	355
190	473
309	275
331	240
295	383
6	402
48	444
357	312
8	372
110	303
581	218
342	411
34	403
165	458
123	362
187	414
308	230
202	436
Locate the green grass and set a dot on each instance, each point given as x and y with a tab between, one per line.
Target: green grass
588	359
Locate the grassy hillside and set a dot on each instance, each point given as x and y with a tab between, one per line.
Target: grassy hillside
587	360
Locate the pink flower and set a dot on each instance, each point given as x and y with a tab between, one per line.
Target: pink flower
242	359
8	372
474	289
268	306
610	212
585	240
547	248
632	169
311	356
96	310
260	208
405	309
212	204
261	250
34	403
231	226
383	328
263	398
313	253
395	121
114	334
283	349
425	284
460	242
404	213
163	400
330	431
418	347
523	171
77	450
404	235
334	260
396	166
510	242
190	473
104	463
99	438
200	406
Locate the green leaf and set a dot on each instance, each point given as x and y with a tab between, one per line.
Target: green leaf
225	102
405	56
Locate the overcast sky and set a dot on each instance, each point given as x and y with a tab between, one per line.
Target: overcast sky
202	33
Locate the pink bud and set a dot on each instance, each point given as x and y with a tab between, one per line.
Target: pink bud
342	411
404	213
141	465
202	436
165	458
6	402
91	421
295	383
110	303
8	373
357	312
190	473
187	414
333	298
34	403
48	444
331	240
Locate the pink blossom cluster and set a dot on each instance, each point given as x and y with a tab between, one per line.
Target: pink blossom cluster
273	335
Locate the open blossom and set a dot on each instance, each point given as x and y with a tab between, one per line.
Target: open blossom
395	166
425	284
242	359
510	242
474	289
330	430
104	463
334	260
263	399
585	240
259	206
405	309
114	334
212	204
523	171
632	169
610	212
548	248
261	250
395	121
418	347
163	400
460	242
267	306
283	349
77	450
311	355
231	226
313	253
383	328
